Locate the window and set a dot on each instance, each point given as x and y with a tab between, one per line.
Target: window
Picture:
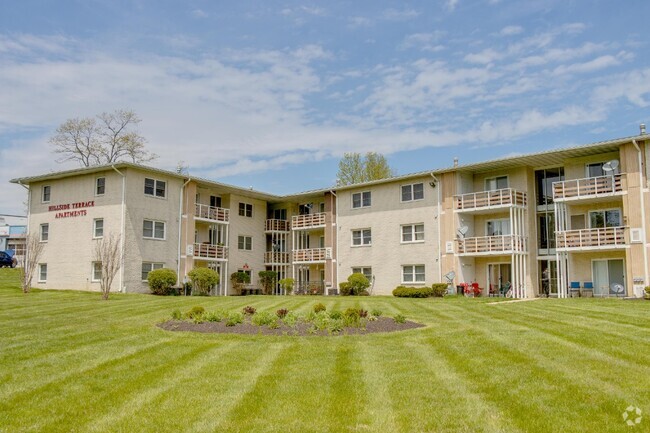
153	229
98	228
45	232
245	243
247	272
155	188
361	237
100	186
361	199
215	201
596	169
413	192
605	218
496	183
278	214
413	233
413	274
148	267
544	180
45	193
321	207
321	242
365	270
96	272
246	209
42	272
498	227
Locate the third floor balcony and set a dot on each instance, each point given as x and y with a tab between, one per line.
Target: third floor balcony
307	222
273	225
589	188
487	201
211	213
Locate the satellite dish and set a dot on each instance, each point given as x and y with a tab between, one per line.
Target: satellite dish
610	166
462	231
617	288
450	276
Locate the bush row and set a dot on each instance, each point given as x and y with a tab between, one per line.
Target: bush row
437	290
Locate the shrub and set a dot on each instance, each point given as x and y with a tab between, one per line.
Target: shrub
263	318
287	285
345	289
215	316
399	318
335	315
239	280
177	315
234	319
282	313
335	326
290	319
161	281
364	293
248	310
376	313
195	312
351	317
439	290
319	307
356	285
268	280
363	313
412	292
203	279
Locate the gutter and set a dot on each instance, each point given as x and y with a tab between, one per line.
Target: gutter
122	229
29	213
438	187
336	241
643	220
180	224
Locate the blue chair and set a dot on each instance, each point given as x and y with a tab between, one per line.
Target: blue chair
587	289
574	289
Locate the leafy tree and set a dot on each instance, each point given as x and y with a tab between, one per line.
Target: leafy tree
104	139
203	280
268	280
355	169
107	252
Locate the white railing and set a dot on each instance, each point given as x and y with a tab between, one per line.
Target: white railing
273	225
609	237
313	220
489	199
588	187
271	257
211	213
492	244
310	255
209	251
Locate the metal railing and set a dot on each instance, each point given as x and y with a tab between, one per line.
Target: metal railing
589	187
489	199
271	257
492	244
310	255
211	213
591	238
313	220
309	288
209	251
273	225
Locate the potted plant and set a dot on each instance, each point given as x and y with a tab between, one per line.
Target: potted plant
646	293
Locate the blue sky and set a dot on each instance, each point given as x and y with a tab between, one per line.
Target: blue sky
271	94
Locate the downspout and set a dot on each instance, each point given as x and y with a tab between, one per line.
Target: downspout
29	213
437	183
641	185
122	230
180	224
336	240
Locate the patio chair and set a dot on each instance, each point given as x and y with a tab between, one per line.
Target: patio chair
574	289
505	289
587	289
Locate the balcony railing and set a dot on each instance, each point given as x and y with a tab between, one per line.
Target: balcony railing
311	255
502	244
308	288
490	199
314	220
210	252
276	225
211	213
271	257
588	187
591	239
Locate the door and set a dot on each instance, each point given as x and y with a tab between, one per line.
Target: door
499	278
548	277
609	277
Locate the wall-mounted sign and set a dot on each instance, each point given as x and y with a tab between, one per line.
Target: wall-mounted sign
71	213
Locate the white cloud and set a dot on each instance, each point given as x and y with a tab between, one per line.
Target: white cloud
596	64
511	30
399	14
486	56
633	86
450	5
198	13
423	41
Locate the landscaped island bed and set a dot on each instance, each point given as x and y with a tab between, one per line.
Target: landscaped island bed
71	362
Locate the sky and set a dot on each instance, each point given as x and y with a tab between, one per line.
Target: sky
271	94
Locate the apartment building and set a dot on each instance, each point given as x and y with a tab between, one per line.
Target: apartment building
564	222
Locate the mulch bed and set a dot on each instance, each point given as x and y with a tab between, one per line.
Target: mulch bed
383	324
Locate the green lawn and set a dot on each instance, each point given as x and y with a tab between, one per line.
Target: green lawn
71	362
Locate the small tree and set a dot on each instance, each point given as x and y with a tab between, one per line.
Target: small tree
355	169
239	280
161	281
287	285
203	280
29	261
268	280
356	285
107	252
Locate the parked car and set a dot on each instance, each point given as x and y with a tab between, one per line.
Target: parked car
6	260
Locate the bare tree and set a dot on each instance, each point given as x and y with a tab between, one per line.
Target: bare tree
355	169
29	261
107	253
110	137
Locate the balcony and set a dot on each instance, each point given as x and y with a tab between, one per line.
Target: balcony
486	201
312	255
272	225
608	238
589	188
305	222
211	213
276	258
210	252
492	245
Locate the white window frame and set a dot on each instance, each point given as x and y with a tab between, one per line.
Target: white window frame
413	233
245	238
619	210
152	266
42	266
95	221
93	272
411	187
153	229
97	193
154	193
414	274
45	238
501	221
488	179
362	270
245	209
45	188
364	241
361	195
